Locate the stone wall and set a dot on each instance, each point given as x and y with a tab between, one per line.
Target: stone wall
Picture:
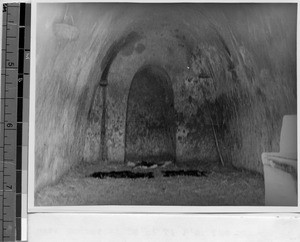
231	69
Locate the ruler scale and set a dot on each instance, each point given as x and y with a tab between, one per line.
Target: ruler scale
14	120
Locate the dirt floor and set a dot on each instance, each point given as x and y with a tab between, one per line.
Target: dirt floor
221	187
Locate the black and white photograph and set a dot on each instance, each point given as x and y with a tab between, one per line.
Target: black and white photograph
164	104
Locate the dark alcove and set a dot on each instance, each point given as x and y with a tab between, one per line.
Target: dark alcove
150	123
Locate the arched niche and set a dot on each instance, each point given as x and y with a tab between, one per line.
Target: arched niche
150	123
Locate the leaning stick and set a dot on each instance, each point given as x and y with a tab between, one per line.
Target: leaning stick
216	141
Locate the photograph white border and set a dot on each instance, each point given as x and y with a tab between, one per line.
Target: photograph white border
131	209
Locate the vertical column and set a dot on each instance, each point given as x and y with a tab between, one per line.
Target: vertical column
103	148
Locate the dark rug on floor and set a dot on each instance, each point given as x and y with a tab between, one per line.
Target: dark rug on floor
135	175
184	173
122	174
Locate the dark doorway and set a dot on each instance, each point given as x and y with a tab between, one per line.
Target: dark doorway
150	123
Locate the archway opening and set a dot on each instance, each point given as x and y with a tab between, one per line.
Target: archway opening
150	123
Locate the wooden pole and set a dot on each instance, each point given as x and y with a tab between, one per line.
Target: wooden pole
103	85
216	141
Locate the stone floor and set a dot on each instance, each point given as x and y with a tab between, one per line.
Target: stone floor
221	187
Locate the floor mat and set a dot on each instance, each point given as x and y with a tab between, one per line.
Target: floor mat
184	173
122	174
135	175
